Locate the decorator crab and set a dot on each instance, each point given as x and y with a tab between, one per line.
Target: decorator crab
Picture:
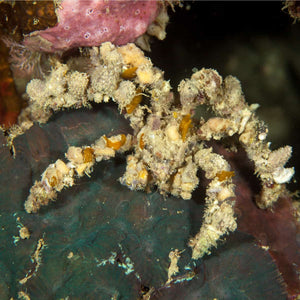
168	145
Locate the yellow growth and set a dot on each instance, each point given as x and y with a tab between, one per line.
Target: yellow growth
224	175
132	55
23	295
115	145
143	175
134	102
24	233
129	73
184	126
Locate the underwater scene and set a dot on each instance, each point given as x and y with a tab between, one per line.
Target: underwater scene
149	150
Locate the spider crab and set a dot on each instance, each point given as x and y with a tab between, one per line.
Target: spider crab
168	145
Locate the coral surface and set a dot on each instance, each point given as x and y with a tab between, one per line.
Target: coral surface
101	240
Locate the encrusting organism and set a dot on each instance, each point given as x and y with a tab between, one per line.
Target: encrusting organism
168	145
90	23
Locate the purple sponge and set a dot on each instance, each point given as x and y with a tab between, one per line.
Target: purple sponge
92	22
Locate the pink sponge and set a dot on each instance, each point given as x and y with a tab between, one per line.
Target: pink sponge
92	22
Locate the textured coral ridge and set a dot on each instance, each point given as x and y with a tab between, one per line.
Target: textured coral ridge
92	22
167	146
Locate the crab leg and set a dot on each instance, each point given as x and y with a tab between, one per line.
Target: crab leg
219	216
81	161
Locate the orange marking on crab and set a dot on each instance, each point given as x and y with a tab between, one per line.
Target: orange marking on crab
142	142
225	175
88	155
184	126
53	181
115	145
129	73
134	102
